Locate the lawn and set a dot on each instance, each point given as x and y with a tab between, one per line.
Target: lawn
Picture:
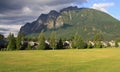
86	60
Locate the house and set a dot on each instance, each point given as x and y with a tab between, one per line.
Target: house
67	44
93	43
112	43
33	45
47	45
24	45
119	44
104	43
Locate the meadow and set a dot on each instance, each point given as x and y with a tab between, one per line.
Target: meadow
72	60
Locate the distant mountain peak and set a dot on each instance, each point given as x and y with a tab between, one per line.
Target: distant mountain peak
52	12
69	8
87	22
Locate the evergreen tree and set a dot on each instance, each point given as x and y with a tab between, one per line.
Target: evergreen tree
52	39
116	44
1	36
81	44
98	45
90	45
12	42
98	37
41	41
75	40
29	47
18	41
78	42
60	44
22	37
3	42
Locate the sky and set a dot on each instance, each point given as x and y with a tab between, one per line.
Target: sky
15	13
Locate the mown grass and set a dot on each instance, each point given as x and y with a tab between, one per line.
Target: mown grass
89	60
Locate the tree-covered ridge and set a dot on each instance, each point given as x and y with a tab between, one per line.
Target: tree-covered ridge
87	22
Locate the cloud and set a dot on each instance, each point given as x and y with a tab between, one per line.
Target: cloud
26	10
18	7
6	29
102	6
17	12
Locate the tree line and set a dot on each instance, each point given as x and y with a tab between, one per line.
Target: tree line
52	43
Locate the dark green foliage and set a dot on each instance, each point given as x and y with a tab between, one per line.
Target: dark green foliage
47	47
1	36
75	41
118	39
116	44
3	42
60	44
98	37
98	44
18	41
78	43
81	44
29	47
52	40
12	42
41	41
90	46
85	45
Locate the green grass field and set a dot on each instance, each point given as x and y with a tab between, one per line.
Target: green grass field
89	60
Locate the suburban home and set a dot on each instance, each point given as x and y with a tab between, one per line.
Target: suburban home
112	43
67	44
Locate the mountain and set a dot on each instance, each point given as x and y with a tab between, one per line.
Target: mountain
87	22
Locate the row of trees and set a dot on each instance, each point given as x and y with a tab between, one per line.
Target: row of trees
15	43
11	42
52	42
76	43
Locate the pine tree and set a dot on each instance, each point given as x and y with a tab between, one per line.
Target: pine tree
29	47
90	45
18	41
98	37
1	36
116	44
98	45
77	41
12	42
60	44
52	39
41	41
81	44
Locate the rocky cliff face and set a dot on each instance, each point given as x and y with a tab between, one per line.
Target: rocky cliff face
52	20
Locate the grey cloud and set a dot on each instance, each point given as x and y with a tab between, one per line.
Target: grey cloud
6	5
57	2
18	12
13	9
